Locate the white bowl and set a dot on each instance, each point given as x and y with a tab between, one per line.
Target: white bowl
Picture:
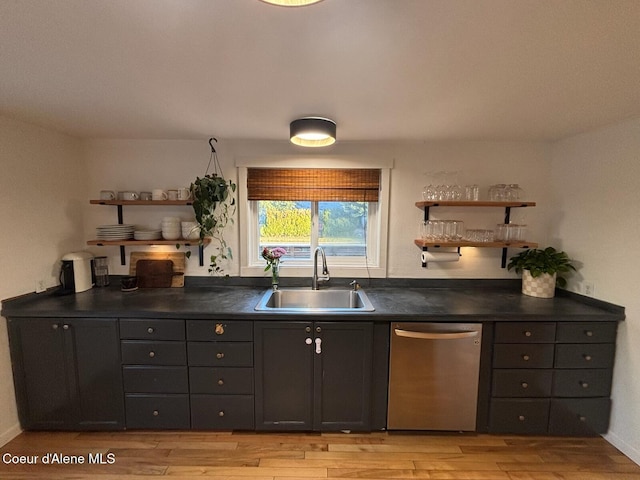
171	236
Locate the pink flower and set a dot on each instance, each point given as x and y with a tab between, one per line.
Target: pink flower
273	254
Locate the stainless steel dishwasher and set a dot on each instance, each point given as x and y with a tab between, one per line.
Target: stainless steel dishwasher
433	376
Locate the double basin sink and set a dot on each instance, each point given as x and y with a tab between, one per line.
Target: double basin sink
305	300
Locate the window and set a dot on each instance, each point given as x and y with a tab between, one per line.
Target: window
301	209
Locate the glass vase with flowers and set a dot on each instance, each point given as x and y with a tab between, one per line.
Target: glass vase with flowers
273	256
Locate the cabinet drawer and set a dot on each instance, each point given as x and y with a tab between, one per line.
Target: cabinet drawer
589	355
211	330
582	383
587	332
223	354
223	380
157	411
153	353
519	415
149	329
150	379
523	355
525	332
585	416
522	382
225	412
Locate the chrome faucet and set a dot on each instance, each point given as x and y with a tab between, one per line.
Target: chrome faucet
325	271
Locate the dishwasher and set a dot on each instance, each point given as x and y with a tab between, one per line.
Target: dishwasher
433	376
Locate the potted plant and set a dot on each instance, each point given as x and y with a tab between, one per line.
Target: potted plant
541	270
214	206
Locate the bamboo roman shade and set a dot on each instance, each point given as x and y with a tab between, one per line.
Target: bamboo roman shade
314	184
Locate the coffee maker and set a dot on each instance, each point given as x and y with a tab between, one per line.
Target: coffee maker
76	273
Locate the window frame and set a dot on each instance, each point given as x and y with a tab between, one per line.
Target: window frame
375	266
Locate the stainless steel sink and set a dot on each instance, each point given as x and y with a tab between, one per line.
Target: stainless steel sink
305	300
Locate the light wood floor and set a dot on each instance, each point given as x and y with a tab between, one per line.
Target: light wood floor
271	456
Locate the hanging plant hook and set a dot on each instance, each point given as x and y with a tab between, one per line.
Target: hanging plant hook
214	157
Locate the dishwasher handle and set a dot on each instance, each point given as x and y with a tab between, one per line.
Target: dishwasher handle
435	335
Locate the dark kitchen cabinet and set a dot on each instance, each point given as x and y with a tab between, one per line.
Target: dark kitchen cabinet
67	373
552	377
154	368
314	375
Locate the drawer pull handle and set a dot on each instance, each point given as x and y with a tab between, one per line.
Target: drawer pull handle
221	382
156	413
152	354
150	330
219	355
221	413
524	385
521	418
584	384
527	333
587	358
219	329
526	357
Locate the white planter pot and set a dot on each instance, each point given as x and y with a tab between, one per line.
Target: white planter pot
543	286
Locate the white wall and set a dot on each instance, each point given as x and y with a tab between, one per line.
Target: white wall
43	192
596	177
146	164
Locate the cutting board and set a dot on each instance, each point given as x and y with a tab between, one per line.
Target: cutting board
178	259
154	273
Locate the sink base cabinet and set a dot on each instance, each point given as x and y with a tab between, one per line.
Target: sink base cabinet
67	373
318	376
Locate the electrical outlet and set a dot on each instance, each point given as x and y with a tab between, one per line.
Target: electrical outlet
589	289
41	286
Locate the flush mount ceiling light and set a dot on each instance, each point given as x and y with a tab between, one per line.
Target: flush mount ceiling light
291	3
313	132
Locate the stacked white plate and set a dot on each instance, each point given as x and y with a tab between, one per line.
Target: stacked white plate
171	229
147	234
115	232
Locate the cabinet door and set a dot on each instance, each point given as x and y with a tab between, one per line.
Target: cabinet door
99	392
283	375
67	373
342	376
40	369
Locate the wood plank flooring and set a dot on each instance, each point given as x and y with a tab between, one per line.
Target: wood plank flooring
274	456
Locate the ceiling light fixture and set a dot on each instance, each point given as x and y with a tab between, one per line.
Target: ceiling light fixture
313	132
291	3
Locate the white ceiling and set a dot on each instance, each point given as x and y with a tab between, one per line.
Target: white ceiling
382	69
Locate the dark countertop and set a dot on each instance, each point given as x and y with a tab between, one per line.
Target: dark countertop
393	300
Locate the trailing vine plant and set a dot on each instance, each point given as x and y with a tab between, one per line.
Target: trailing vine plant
214	205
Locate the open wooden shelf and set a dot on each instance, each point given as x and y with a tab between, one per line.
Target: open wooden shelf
463	243
470	203
180	241
141	202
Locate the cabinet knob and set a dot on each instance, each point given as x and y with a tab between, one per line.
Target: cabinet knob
318	329
156	413
526	357
582	418
221	413
307	329
587	357
584	384
588	333
152	354
308	341
219	329
55	326
219	355
524	385
521	418
527	333
150	330
65	327
220	382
